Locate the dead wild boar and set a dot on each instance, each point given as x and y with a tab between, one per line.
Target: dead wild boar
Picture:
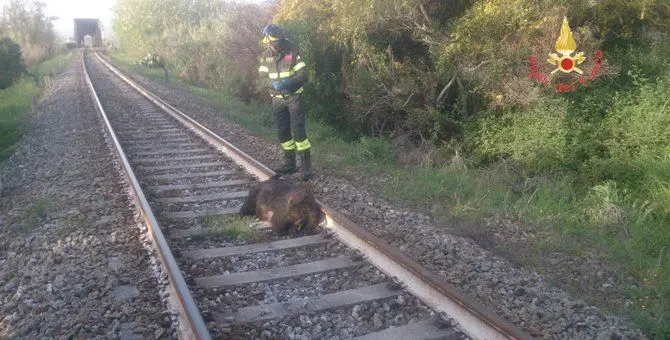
288	207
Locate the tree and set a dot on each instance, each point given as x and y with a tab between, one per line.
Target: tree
212	43
25	23
141	25
11	62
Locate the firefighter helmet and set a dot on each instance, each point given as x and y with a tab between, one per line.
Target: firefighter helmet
272	32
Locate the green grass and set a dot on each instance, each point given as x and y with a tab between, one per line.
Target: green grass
54	65
15	101
623	221
35	213
230	226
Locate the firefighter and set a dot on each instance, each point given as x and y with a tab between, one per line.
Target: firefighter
282	71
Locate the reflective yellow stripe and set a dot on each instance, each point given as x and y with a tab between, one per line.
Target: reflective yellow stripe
299	66
296	92
289	145
281	75
263	69
275	75
304	145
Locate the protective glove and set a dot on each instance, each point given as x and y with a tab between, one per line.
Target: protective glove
280	84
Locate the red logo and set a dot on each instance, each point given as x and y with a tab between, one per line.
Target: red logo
566	63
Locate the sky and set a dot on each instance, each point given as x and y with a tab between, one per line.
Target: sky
68	10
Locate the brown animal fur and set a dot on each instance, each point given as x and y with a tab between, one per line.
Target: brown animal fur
287	206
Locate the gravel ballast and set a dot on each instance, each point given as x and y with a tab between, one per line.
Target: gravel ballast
522	296
73	262
222	285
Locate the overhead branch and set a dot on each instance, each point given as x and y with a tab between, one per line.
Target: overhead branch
425	13
472	69
445	90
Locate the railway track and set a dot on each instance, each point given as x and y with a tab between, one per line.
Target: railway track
340	283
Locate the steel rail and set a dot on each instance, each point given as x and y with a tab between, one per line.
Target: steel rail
191	324
472	318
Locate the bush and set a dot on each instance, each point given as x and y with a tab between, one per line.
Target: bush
212	44
152	60
535	138
11	63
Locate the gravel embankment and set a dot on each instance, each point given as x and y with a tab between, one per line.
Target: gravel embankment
522	296
73	262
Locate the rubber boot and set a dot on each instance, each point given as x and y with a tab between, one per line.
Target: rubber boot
289	166
306	165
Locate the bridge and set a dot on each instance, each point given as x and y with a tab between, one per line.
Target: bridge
84	27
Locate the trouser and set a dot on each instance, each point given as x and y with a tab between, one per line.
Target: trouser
290	118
